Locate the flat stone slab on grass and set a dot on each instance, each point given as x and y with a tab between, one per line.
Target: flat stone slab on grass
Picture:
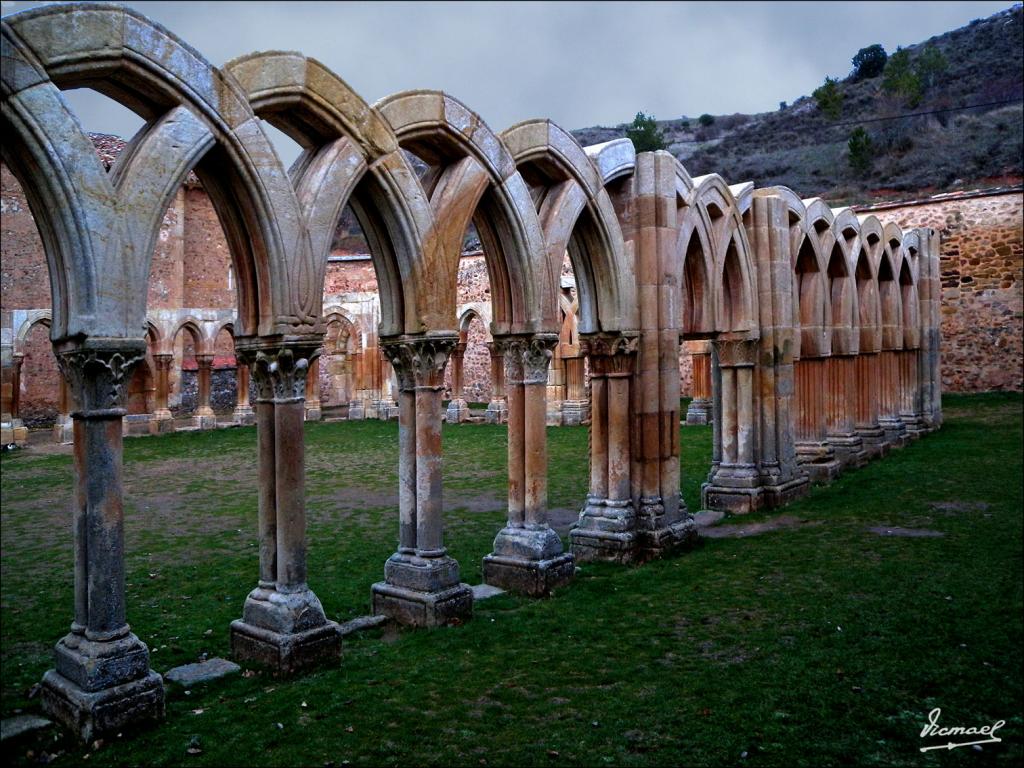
202	672
952	507
907	533
707	517
742	530
484	591
12	727
363	622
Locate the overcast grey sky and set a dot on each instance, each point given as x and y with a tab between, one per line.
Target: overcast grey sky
579	63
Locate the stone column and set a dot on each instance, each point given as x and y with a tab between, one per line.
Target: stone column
161	413
868	383
458	409
528	557
63	429
205	418
575	407
497	408
735	481
283	625
357	406
699	411
889	399
421	584
313	412
606	529
842	406
16	361
243	410
911	410
814	452
102	681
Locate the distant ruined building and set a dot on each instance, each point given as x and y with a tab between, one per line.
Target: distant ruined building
197	275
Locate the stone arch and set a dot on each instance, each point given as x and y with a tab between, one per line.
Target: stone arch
33	318
869	246
475	309
194	328
733	284
474	177
351	156
843	310
577	216
99	229
889	293
614	159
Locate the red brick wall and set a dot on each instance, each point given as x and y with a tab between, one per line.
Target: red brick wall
982	256
40	379
207	259
24	279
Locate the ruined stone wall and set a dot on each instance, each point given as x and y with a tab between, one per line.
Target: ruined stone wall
24	279
982	258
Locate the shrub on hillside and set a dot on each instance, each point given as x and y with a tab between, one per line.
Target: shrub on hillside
829	98
861	150
706	120
869	62
901	78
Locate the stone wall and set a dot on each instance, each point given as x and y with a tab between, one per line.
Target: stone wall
982	259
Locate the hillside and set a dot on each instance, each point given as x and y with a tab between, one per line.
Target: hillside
799	147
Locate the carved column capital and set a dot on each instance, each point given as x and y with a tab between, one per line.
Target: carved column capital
610	355
509	349
419	361
739	353
537	353
99	377
204	361
163	361
279	373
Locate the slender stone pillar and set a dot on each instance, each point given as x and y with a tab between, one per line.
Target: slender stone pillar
357	406
102	681
868	383
607	528
889	399
16	361
64	428
313	411
458	409
283	625
421	584
911	408
735	481
814	452
528	557
162	416
575	407
243	410
497	408
842	409
204	417
699	411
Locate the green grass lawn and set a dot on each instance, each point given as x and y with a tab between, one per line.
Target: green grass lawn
819	643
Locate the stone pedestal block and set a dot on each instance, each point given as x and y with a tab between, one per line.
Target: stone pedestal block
204	421
895	431
528	560
849	451
699	412
575	412
313	413
16	434
287	632
64	430
497	412
287	653
245	416
605	532
458	411
100	687
422	591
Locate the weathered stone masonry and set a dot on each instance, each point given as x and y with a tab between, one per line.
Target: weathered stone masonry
792	298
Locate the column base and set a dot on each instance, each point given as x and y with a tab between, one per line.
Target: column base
313	412
385	410
849	450
699	412
286	653
204	421
356	410
553	415
497	412
64	431
605	532
244	415
528	561
895	431
89	714
575	412
915	426
875	444
819	461
666	537
139	424
422	591
13	434
458	411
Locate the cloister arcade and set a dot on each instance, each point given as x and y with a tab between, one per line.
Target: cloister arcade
815	331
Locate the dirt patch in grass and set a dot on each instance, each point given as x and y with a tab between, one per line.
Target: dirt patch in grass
957	507
906	533
743	530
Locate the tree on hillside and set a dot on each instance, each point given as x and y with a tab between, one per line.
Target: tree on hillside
931	65
645	133
901	78
829	98
869	62
706	120
862	151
